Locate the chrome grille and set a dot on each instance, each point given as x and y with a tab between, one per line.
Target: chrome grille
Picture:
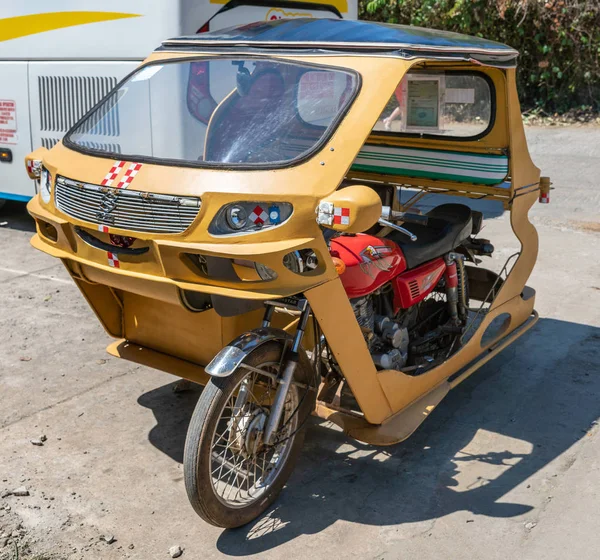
124	209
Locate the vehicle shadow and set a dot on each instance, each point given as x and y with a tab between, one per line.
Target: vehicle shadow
522	411
16	216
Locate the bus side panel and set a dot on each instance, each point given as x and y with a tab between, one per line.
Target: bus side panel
14	131
86	29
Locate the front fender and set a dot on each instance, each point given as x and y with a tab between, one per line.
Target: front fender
232	355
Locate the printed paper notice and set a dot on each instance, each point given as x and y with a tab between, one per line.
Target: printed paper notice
423	103
8	122
460	95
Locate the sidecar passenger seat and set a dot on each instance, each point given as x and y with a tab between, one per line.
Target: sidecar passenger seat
450	224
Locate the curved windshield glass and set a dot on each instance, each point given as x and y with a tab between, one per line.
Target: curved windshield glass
218	111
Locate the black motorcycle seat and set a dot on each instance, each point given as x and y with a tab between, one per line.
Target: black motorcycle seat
449	226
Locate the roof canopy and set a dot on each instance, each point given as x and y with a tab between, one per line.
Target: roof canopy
351	36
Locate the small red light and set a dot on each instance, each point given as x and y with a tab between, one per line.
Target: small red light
204	28
121	240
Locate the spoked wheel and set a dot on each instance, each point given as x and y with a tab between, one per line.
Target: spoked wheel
231	476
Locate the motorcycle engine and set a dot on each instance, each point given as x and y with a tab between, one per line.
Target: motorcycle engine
386	339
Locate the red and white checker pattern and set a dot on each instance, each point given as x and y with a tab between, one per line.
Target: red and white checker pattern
545	198
259	216
112	174
129	175
103	229
113	260
34	167
341	216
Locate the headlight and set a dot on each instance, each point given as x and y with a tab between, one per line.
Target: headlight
248	217
236	217
46	185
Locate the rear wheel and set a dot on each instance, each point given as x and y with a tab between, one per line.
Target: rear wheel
231	477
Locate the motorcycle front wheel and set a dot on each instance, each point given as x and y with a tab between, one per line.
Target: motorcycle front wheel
231	477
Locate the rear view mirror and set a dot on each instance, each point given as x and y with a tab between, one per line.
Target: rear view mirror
353	210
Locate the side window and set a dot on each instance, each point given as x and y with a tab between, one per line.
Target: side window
452	104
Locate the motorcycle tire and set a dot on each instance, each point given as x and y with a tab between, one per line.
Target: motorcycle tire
199	456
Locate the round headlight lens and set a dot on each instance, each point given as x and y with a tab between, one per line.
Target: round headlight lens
236	217
45	185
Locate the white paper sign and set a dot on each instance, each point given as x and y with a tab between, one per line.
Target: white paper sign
460	95
8	122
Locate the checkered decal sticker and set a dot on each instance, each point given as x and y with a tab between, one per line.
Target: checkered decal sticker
545	198
341	216
112	174
129	175
259	216
113	260
103	229
34	167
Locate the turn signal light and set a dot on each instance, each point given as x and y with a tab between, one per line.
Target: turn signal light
340	265
544	190
34	168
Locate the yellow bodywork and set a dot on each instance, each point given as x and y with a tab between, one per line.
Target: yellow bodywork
140	303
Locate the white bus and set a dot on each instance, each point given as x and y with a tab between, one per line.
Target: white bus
57	59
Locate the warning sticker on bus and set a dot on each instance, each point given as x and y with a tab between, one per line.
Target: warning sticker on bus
8	122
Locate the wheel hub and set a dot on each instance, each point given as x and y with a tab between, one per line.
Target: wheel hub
254	434
247	432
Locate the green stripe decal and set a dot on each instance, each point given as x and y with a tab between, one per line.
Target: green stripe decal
424	174
436	162
448	165
486	169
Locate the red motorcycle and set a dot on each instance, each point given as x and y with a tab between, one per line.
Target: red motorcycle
409	289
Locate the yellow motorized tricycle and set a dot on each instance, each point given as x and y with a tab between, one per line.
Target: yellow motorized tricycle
242	211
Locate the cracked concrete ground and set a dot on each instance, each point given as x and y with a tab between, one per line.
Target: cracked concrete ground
508	466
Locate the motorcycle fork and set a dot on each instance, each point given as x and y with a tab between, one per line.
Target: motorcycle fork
290	363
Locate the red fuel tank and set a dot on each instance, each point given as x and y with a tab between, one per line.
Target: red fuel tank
370	262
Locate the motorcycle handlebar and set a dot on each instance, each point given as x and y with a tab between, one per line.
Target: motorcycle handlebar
392	225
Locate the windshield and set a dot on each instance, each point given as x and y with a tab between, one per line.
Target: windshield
218	112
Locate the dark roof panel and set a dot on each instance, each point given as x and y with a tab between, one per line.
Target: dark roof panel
344	34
